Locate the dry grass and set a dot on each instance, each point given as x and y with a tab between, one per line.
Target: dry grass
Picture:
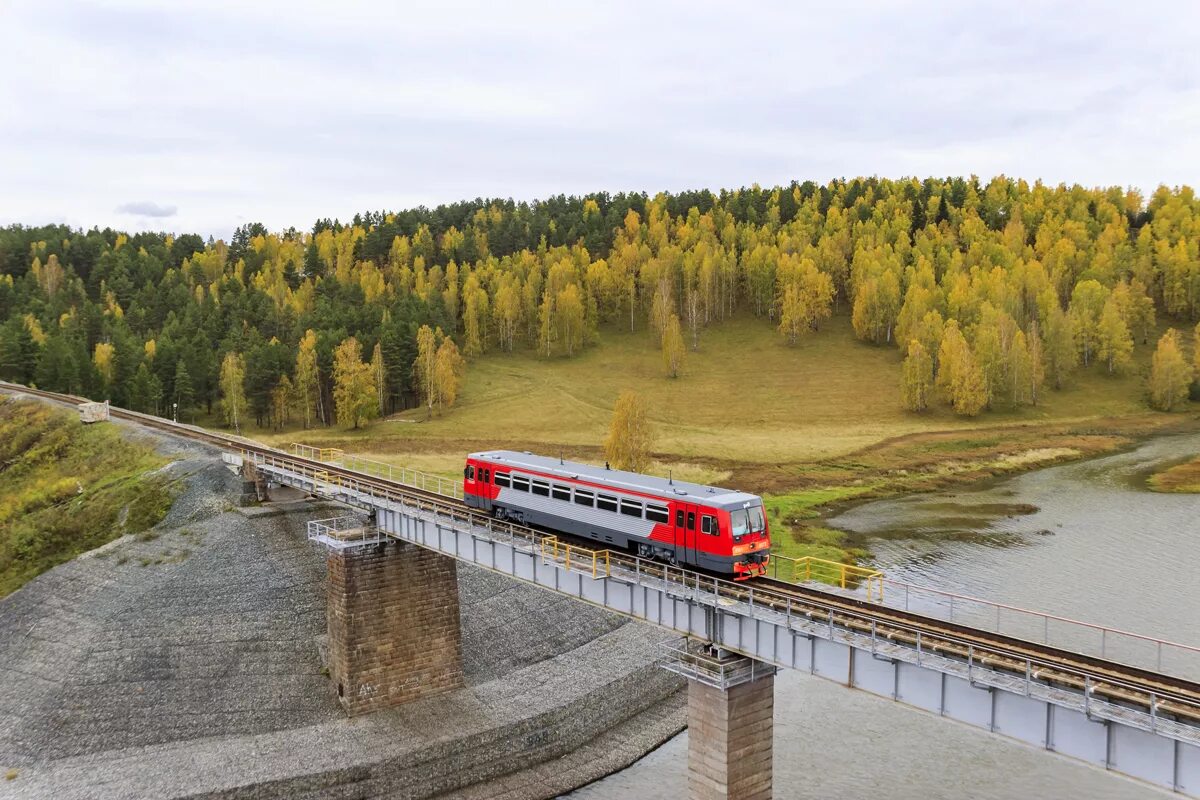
745	397
1183	478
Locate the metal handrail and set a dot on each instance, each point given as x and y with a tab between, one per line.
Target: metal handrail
676	576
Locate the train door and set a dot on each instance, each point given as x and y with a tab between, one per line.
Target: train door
686	520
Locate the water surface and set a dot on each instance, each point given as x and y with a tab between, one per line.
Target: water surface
1083	540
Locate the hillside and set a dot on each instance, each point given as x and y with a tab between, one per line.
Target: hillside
66	488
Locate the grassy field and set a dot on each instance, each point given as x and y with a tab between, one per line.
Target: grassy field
66	488
1184	478
809	426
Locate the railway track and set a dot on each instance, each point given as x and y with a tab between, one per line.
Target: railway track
1164	695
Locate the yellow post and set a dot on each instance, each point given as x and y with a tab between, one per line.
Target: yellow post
568	558
843	576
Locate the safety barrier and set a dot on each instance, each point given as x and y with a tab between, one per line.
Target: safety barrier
1160	655
585	559
426	482
326	454
846	576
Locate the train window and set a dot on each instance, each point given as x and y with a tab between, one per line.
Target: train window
520	482
560	492
691	520
679	519
502	479
470	473
606	502
541	487
487	476
584	498
708	524
630	508
657	513
757	523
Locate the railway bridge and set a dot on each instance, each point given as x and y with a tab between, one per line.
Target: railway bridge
1120	701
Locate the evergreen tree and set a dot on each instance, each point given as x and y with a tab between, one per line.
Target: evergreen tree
184	396
56	369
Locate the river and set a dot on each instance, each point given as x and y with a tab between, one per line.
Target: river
1084	540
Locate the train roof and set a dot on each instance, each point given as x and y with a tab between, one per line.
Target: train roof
619	479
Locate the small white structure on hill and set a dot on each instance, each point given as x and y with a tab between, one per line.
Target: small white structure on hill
93	412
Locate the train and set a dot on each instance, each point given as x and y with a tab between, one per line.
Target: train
722	531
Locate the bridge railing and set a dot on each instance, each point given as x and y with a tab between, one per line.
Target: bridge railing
1136	650
808	569
1064	633
425	481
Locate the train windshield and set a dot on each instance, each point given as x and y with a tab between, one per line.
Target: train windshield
746	520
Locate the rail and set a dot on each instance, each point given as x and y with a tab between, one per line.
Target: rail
1086	638
425	481
1167	658
1150	705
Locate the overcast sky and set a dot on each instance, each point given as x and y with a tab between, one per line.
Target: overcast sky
202	116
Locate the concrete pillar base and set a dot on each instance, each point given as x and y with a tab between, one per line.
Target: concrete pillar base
731	710
394	631
730	734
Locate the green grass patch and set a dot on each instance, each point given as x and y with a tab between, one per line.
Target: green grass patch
66	488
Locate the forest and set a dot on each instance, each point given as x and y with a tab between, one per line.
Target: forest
992	294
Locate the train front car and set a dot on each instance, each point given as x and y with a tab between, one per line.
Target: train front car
719	530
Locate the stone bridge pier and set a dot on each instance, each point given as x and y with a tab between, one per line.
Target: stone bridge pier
393	616
731	705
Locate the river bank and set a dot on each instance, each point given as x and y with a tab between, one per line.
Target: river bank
918	464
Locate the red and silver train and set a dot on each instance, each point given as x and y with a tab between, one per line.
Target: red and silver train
719	530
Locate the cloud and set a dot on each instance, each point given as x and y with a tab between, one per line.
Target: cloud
285	112
145	208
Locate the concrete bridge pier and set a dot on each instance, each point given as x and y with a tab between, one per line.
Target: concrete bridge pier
731	705
394	631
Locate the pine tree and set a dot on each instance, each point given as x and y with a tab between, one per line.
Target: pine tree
1170	374
916	377
630	437
673	347
184	394
281	402
379	375
233	389
354	396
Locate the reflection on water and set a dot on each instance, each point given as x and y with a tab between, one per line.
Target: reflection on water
1080	540
1083	540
